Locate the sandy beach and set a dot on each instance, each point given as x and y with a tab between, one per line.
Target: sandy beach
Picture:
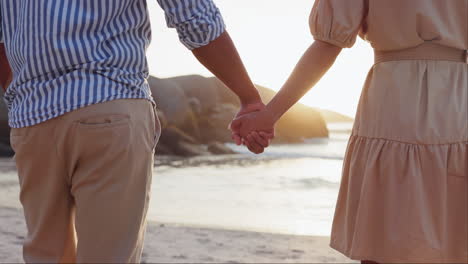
166	243
171	243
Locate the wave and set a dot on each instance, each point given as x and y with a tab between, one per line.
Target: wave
321	148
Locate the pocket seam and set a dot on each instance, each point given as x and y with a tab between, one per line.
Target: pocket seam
123	121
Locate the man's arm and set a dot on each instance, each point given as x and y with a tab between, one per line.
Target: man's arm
201	29
221	58
5	70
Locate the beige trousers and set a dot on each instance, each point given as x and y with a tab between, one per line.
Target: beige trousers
85	182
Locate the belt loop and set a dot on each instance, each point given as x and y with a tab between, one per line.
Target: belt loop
466	56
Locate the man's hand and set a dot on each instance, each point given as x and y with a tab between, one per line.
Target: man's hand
255	129
262	142
245	109
257	141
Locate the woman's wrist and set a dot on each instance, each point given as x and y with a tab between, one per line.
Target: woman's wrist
273	113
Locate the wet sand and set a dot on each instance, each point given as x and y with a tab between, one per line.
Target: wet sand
170	243
167	243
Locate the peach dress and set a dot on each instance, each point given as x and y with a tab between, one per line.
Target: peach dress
404	190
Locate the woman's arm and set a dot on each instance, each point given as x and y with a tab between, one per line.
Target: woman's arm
315	62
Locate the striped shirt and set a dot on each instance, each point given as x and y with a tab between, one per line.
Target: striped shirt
70	54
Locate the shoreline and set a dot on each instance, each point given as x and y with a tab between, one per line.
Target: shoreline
169	243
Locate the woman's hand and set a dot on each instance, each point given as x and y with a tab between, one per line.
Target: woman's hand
244	110
257	141
256	130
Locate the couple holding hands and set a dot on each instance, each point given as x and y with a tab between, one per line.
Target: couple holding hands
84	126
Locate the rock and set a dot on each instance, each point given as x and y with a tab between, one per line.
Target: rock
192	126
187	149
299	123
219	148
4	127
162	118
177	107
215	123
195	105
162	149
195	110
174	134
205	90
171	100
6	150
174	141
332	117
203	107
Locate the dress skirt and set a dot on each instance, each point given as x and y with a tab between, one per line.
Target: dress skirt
404	190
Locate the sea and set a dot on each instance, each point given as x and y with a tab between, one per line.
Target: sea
289	189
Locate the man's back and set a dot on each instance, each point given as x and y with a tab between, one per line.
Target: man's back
70	54
87	173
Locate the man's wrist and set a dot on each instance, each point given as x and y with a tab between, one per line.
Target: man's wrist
253	98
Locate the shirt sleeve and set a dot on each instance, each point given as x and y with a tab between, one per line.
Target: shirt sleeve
337	22
198	22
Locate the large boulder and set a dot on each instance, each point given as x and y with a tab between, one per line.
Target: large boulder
334	117
195	110
5	149
204	90
174	141
170	99
214	123
300	123
219	148
203	108
178	108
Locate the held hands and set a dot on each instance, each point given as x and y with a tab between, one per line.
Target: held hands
253	127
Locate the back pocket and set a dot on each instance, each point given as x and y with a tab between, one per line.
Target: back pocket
105	121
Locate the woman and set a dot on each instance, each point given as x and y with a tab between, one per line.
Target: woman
403	196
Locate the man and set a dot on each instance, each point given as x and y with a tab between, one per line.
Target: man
81	112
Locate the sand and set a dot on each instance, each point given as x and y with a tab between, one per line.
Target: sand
170	243
167	243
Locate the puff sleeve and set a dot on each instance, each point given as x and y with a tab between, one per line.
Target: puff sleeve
337	21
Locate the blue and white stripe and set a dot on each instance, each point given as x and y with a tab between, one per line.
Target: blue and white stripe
70	54
198	22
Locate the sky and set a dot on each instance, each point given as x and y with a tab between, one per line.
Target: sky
271	36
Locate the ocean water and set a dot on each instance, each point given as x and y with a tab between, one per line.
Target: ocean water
290	189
